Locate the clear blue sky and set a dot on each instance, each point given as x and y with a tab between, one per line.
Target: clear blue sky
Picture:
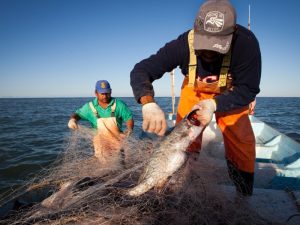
60	48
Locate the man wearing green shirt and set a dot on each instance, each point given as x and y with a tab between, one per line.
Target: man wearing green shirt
107	115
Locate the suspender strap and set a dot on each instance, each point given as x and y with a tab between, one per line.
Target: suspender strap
193	64
93	109
113	108
224	69
193	59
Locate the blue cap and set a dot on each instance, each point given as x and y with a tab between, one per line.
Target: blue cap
102	86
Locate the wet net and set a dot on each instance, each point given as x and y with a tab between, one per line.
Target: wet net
80	188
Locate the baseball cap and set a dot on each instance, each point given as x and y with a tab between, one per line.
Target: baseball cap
102	86
214	26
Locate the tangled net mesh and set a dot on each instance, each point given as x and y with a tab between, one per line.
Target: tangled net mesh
80	189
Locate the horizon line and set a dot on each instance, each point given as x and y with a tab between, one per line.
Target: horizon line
11	97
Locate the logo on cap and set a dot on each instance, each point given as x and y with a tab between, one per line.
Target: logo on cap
103	85
214	22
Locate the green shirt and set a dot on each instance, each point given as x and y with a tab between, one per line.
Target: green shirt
122	112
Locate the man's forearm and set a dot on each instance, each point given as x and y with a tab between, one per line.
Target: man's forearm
146	99
75	116
130	124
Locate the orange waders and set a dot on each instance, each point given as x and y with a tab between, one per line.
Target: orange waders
239	140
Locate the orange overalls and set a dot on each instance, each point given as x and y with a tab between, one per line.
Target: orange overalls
239	140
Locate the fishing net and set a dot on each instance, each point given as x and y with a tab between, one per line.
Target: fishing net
80	188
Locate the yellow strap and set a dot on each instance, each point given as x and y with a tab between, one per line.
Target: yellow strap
224	69
93	109
193	59
113	108
193	64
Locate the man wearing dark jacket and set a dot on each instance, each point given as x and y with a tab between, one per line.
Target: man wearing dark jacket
221	62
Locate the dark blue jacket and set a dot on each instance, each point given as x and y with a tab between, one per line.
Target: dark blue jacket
245	69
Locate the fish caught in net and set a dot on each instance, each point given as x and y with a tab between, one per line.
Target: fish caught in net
79	188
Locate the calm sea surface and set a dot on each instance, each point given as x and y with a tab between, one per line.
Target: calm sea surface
33	131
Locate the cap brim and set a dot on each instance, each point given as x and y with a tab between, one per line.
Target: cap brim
219	44
102	91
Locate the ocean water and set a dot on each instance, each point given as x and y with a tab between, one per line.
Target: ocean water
33	131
